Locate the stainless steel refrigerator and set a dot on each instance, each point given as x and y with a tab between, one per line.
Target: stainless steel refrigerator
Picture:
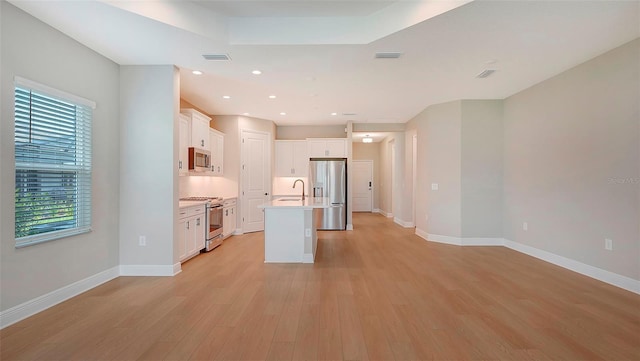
328	178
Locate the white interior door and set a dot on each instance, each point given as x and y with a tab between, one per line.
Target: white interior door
256	178
362	185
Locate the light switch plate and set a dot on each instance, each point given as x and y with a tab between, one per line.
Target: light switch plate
434	186
307	232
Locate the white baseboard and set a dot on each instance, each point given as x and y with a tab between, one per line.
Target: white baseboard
20	312
376	210
307	258
599	274
177	268
402	223
349	227
147	270
237	232
611	278
388	215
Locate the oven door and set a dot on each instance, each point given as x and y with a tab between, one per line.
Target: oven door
215	221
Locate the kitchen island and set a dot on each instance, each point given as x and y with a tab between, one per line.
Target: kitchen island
290	230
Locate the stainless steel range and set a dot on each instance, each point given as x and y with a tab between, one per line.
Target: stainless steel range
214	220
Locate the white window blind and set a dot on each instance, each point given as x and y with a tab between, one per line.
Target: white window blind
52	164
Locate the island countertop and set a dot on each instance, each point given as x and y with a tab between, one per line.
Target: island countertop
296	202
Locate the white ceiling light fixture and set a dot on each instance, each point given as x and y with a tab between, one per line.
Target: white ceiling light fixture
283	113
272	96
256	72
334	113
245	113
226	97
219	57
367	139
196	72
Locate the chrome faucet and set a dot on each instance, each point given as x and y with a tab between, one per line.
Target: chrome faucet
294	185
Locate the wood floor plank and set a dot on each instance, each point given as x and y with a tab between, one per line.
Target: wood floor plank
379	293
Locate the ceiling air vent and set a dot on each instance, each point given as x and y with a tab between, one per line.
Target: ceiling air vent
485	73
349	114
388	55
223	57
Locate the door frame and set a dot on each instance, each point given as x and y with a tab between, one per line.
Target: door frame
269	168
372	177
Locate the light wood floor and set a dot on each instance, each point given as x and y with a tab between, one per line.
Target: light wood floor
378	293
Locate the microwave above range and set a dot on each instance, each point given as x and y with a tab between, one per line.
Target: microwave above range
199	159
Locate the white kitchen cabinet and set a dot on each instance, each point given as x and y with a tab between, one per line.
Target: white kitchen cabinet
216	140
327	147
199	128
191	224
291	158
184	134
229	217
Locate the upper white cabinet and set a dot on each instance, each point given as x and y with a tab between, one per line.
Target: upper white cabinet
292	159
184	141
327	147
216	140
199	128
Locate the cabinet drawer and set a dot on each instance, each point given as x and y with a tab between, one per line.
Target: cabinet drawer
194	211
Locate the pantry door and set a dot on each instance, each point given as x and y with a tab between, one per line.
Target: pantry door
256	178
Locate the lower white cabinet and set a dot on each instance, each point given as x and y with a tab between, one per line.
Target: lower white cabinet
229	217
191	224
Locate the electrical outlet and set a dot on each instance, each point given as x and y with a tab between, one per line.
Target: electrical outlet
608	244
142	241
307	232
525	226
434	186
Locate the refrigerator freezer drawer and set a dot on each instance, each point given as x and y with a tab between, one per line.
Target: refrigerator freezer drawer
331	219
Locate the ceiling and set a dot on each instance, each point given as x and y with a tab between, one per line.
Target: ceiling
317	57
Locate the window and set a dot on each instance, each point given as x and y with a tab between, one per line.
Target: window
53	163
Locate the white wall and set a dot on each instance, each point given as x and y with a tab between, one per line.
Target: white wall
149	108
571	163
33	50
481	169
391	199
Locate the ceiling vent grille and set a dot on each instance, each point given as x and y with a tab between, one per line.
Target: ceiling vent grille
388	55
485	73
349	114
223	57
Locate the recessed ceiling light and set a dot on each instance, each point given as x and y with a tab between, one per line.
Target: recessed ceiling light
196	72
334	113
272	96
256	72
245	113
226	97
283	113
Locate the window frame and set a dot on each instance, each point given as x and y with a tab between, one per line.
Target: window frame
82	173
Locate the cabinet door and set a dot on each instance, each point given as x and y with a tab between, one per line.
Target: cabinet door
219	155
217	152
213	142
200	132
232	219
184	135
300	159
199	233
337	148
190	243
182	240
226	222
284	154
317	148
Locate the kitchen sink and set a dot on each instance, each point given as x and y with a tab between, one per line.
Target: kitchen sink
289	200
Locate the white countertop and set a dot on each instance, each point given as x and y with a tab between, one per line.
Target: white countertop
308	203
185	204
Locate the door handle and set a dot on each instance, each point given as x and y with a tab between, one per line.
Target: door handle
266	194
369	184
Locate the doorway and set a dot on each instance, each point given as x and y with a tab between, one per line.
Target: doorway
362	185
255	178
